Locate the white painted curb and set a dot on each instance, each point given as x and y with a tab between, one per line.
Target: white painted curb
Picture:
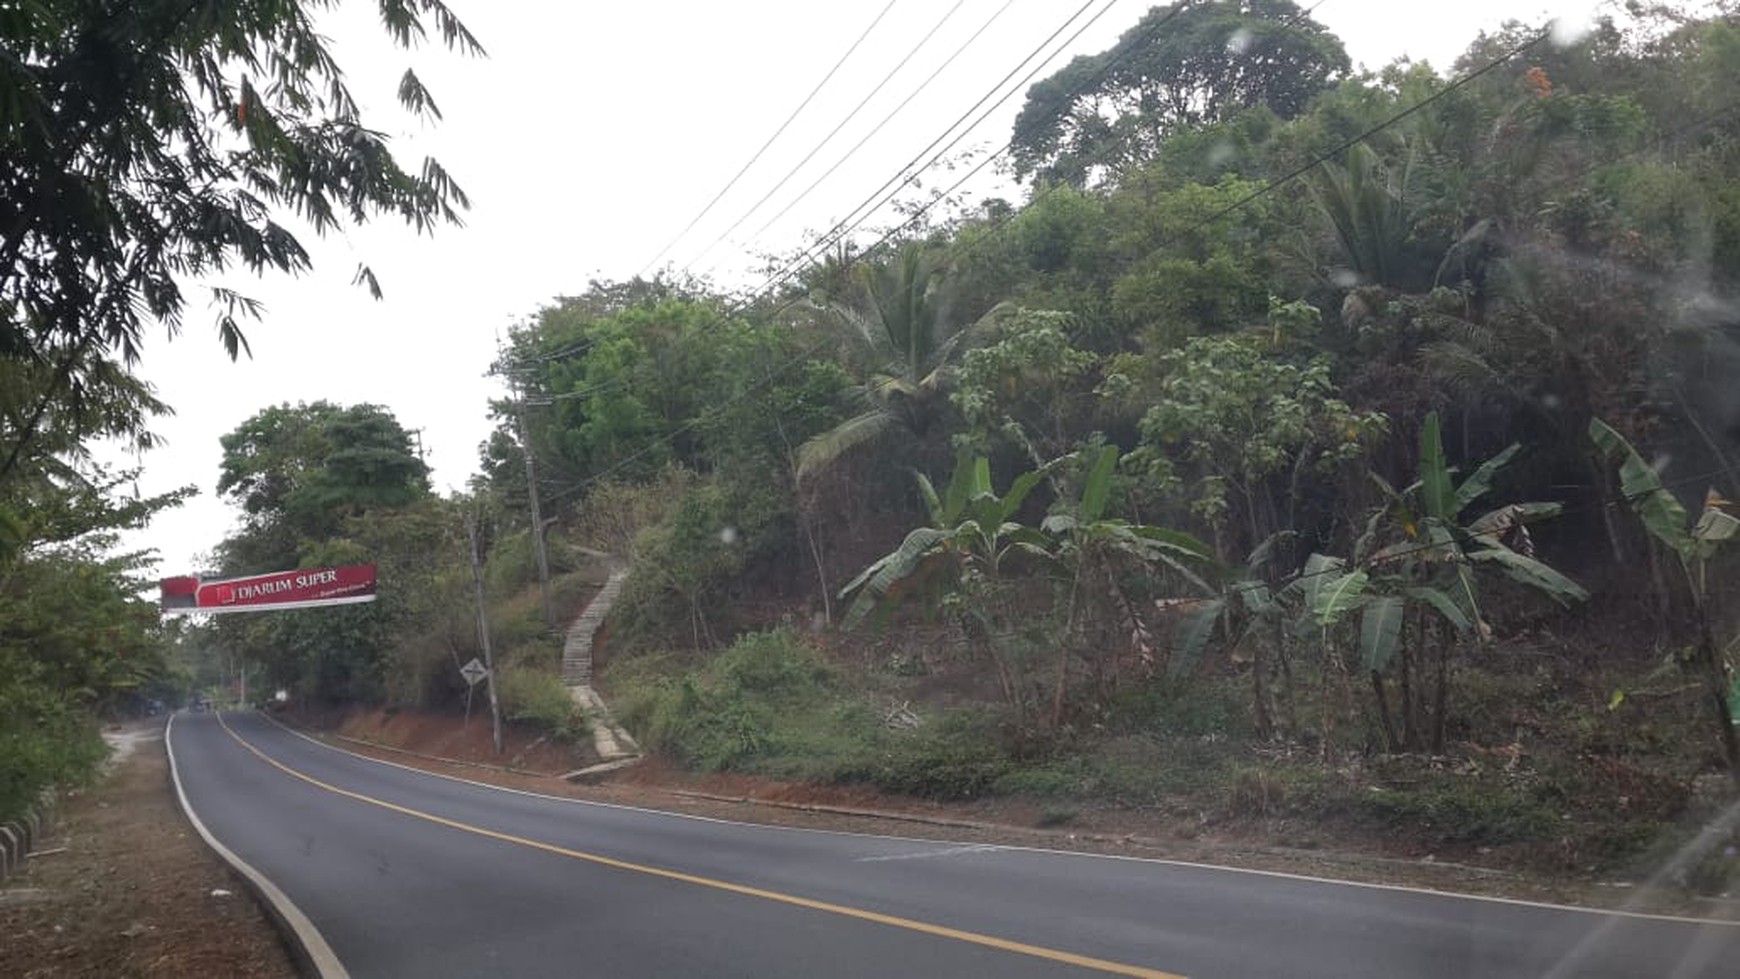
315	955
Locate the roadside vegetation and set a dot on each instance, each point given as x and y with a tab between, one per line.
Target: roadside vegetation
1342	455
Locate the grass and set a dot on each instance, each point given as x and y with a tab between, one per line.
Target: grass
773	705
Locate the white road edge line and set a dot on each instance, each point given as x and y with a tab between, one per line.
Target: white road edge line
316	952
1162	861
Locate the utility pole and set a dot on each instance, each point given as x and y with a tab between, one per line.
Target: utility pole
483	626
540	547
538	543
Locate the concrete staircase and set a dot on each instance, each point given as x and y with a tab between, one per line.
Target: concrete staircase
614	745
577	651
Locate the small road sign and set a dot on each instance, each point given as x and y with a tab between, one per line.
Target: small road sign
473	672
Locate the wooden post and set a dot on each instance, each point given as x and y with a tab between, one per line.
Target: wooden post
483	626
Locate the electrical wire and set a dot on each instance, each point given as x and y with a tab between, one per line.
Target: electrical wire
849	154
770	141
1245	201
909	173
946	17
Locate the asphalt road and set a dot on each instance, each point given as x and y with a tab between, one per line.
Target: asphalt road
409	874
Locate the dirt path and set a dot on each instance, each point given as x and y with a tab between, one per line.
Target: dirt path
134	892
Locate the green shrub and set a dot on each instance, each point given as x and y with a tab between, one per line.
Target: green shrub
1464	810
44	741
1182	707
766	704
541	699
958	756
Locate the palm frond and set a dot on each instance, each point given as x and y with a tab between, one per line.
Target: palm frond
822	451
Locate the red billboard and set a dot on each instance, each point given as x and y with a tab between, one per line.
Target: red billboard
304	588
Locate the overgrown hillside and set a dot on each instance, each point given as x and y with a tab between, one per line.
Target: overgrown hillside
1339	452
1338	455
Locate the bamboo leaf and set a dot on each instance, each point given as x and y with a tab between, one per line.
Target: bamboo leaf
1380	631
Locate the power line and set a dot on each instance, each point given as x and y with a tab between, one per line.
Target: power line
1241	203
792	267
946	17
903	177
770	141
887	118
1271	186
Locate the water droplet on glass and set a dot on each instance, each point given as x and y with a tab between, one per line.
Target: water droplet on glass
728	535
1660	463
1239	42
1221	153
1344	278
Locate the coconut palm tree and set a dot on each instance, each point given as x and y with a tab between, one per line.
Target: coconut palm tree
903	325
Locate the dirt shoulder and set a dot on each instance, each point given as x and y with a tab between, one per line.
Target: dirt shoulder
124	887
1015	822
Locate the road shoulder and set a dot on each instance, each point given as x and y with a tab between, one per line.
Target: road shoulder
124	887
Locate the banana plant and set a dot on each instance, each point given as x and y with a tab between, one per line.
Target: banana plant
972	528
1428	566
1695	544
1086	542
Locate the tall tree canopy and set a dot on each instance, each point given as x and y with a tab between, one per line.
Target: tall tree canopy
145	143
1183	65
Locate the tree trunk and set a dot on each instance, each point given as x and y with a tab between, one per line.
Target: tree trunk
1265	721
1441	695
1063	654
1410	729
1716	686
1326	721
1383	702
1615	541
1289	716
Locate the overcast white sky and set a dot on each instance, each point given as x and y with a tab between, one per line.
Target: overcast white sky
587	140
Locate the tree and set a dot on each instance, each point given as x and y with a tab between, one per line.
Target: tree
1092	547
1183	65
1695	545
974	542
319	485
1429	568
145	144
971	541
300	468
904	326
1235	431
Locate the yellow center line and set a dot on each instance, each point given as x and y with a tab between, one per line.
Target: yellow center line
923	927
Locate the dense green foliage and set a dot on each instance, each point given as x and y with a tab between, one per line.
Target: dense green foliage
144	146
